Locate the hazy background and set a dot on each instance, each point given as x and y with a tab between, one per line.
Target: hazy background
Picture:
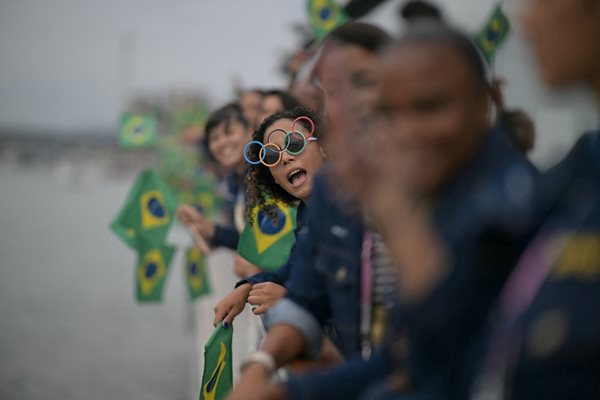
70	328
71	65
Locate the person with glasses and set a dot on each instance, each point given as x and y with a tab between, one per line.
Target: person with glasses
283	158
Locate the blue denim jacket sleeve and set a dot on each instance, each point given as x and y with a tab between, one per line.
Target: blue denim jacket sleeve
279	276
305	305
305	286
225	236
346	381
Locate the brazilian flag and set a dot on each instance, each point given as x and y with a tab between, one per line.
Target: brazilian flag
267	243
151	271
128	235
324	16
195	273
217	377
493	34
147	213
205	198
137	131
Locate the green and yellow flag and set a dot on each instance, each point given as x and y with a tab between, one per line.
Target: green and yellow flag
493	34
137	131
147	213
217	377
151	271
196	275
267	243
324	16
128	235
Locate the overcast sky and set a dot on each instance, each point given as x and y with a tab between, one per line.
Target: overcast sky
64	64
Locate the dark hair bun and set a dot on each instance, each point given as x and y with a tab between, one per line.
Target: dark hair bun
419	9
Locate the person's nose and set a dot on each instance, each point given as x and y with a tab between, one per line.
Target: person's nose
287	158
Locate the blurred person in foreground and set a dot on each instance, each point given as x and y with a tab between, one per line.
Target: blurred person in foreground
325	283
433	80
543	341
454	201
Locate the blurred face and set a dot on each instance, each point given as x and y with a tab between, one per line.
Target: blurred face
269	105
431	111
347	77
226	143
295	173
309	95
347	74
250	103
565	36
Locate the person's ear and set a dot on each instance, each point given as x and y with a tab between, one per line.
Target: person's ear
322	152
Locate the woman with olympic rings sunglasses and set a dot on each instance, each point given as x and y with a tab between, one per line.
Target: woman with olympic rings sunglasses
284	157
283	161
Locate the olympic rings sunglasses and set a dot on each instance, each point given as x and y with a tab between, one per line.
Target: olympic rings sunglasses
294	143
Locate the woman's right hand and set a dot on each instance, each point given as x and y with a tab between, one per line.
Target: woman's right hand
232	305
189	215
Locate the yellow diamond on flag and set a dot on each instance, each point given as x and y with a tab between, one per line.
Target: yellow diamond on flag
267	231
154	209
151	270
138	130
194	258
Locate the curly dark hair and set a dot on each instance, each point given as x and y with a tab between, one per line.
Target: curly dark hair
259	181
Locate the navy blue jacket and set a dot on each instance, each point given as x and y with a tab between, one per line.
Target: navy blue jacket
560	353
325	279
486	215
228	235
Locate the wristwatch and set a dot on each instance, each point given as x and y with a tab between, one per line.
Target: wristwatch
260	357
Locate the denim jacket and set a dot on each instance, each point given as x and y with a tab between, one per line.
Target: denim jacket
324	283
559	354
485	215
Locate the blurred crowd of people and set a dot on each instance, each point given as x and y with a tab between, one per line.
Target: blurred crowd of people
432	260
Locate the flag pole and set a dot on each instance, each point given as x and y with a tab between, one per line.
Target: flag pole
199	241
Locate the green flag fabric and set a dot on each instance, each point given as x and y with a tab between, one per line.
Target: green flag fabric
151	271
267	243
324	16
493	34
147	213
128	235
137	131
196	275
217	377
